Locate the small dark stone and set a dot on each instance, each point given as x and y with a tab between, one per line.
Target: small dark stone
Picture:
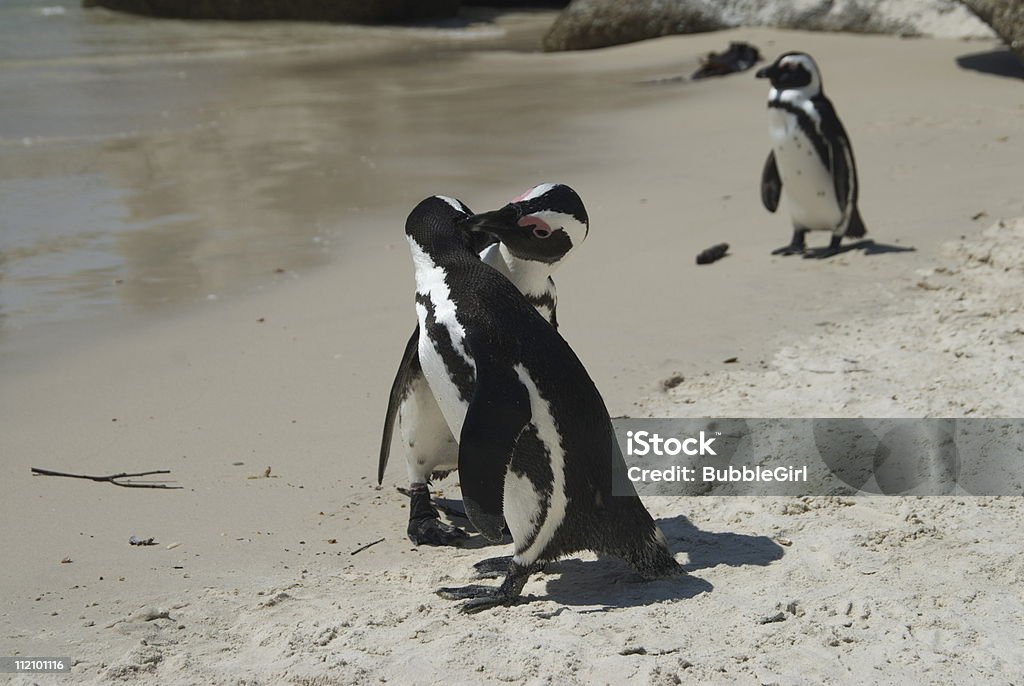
672	381
771	619
713	254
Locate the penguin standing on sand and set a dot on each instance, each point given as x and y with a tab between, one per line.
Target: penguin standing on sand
554	222
811	157
536	446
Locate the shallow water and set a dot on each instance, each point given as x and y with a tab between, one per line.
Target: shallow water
151	163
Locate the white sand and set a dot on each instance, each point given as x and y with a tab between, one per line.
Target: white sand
262	588
950	343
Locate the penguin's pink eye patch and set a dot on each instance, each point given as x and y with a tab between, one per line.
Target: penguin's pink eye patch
540	228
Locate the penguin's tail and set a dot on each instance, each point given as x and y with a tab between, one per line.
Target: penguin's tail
651	558
856	228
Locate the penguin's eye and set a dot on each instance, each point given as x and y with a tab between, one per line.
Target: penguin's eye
537	226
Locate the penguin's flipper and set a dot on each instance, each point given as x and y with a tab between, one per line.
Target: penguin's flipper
499	410
844	176
408	370
841	163
856	229
771	184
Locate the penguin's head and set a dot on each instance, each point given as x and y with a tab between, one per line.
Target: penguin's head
541	225
433	222
793	71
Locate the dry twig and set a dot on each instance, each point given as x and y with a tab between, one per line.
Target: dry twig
113	478
368	545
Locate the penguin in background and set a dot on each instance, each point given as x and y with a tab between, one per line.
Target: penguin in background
536	445
811	157
553	221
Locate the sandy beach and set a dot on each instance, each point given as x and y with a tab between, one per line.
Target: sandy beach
261	382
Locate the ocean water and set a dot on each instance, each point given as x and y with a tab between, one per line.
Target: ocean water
147	164
55	31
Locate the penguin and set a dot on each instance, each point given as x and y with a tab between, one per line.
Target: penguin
811	156
536	446
557	222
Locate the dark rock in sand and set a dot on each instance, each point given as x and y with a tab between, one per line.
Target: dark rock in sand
1006	17
599	23
713	254
739	57
349	11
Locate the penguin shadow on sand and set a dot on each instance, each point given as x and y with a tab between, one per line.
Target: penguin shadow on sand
872	247
996	63
707	549
610	583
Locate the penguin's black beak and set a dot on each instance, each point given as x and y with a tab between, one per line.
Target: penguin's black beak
499	223
767	72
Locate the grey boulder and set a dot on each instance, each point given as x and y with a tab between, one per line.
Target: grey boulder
349	11
599	23
1006	17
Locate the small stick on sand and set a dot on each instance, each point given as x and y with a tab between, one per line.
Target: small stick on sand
113	478
368	545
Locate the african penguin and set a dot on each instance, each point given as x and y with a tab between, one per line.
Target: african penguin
536	447
811	157
554	222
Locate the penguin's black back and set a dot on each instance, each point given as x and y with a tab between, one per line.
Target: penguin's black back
501	322
505	335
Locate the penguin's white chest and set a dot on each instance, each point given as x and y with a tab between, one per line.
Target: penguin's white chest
441	380
532	280
430	444
446	364
806	181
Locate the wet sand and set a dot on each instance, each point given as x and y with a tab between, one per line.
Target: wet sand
137	177
295	376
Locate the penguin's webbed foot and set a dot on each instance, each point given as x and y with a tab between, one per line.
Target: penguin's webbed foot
432	531
425	525
821	253
478	597
496	567
791	249
483	597
796	246
492	567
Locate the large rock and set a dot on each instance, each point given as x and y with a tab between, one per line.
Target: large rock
1006	17
588	24
355	11
528	4
598	23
